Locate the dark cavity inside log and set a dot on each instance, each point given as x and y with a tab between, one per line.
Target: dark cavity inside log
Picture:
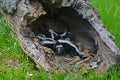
66	19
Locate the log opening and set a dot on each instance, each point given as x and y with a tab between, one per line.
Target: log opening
67	19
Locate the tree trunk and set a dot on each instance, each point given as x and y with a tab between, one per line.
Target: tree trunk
32	17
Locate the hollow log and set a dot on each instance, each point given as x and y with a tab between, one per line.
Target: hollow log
32	17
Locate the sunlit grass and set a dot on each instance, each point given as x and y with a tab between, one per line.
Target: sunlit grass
110	14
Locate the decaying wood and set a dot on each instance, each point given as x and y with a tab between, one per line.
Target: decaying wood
26	13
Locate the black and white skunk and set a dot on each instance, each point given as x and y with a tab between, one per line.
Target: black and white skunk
58	43
59	48
67	46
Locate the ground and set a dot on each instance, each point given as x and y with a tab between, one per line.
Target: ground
16	65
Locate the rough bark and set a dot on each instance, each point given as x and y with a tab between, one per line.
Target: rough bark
27	13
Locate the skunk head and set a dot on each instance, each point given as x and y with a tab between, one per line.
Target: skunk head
59	49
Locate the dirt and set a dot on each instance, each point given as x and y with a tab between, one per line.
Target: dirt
71	63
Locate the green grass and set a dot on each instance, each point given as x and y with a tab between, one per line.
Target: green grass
16	65
110	15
